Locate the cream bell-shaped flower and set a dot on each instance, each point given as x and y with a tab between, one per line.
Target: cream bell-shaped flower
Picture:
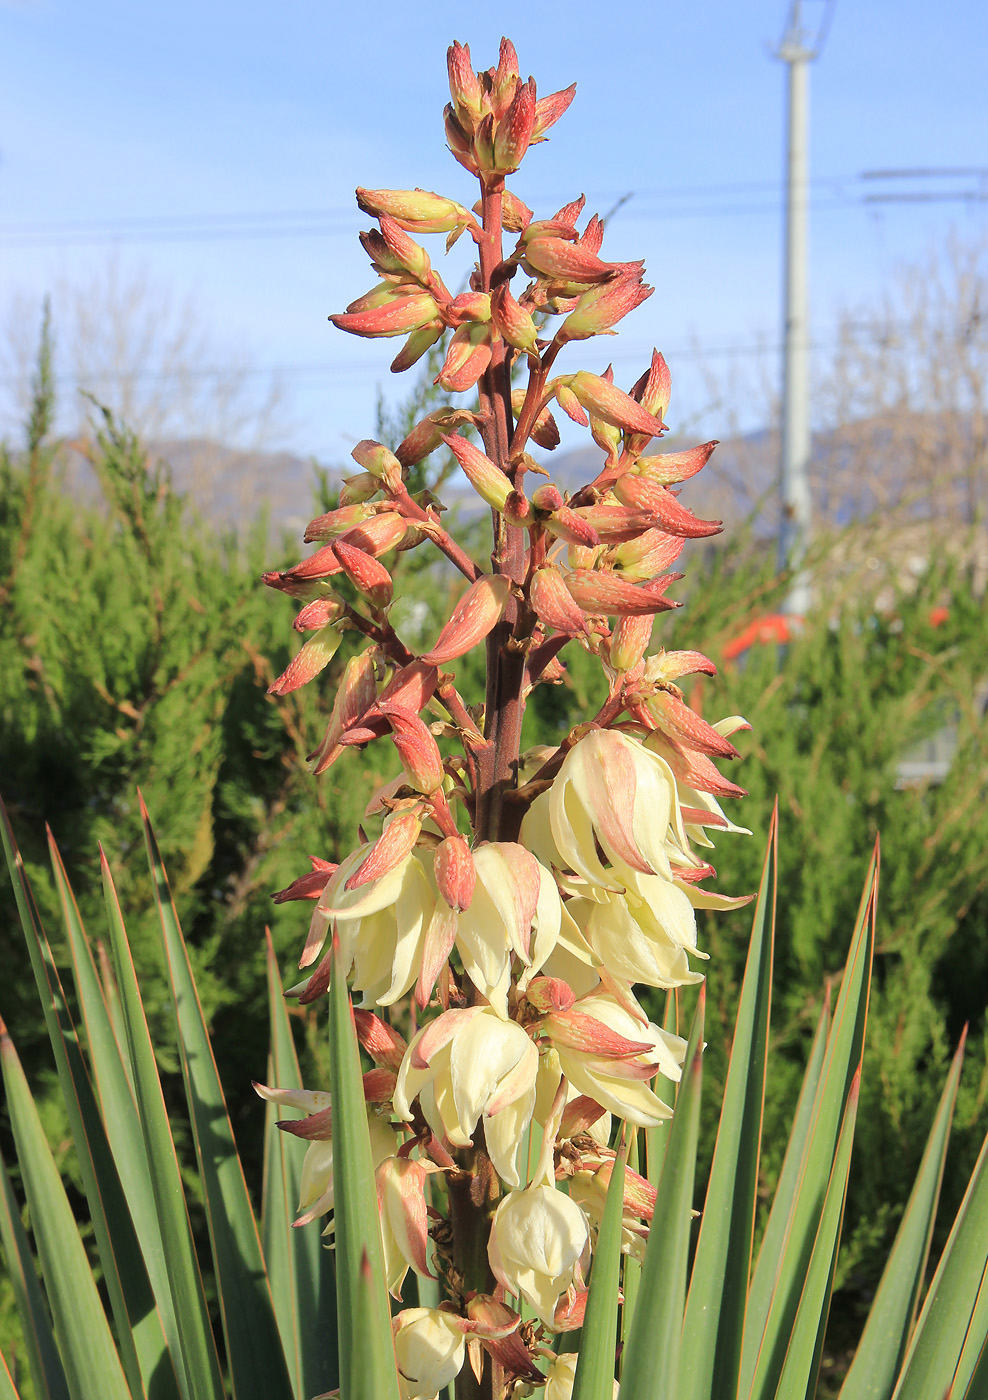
643	933
381	926
608	1054
404	1218
515	909
467	1063
561	1377
612	795
538	1237
429	1350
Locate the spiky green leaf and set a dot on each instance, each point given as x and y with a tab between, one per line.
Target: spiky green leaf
46	1368
595	1368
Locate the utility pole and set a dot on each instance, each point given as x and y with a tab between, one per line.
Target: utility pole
797	52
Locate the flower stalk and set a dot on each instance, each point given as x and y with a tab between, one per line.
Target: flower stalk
505	906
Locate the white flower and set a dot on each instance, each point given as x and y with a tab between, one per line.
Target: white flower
537	1239
466	1063
643	933
429	1350
561	1375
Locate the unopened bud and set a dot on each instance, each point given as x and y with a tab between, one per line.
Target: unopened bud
469	306
377	459
356	489
487	479
507	78
517	510
319	613
419	343
355	695
417	211
554	604
570	404
514	130
467	358
663	507
388	851
669	467
317	653
379	534
464	85
456	874
562	261
607	594
612	405
548	497
410	255
648	555
602	307
629	641
477	612
549	109
654	389
566	525
398	317
512	321
417	749
337	522
370	578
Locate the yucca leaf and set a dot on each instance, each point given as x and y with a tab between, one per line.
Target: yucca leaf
358	1230
374	1376
46	1368
300	1265
632	1270
714	1324
199	1365
139	1323
883	1343
953	1318
598	1340
112	1081
802	1362
8	1391
140	1337
651	1364
85	1344
254	1355
971	1376
665	1089
785	1253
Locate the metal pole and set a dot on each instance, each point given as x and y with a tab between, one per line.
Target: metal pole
796	438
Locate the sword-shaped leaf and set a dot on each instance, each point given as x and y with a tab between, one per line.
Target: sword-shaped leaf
595	1368
883	1343
358	1230
300	1266
375	1376
802	1362
45	1366
713	1328
788	1242
254	1355
651	1366
199	1368
954	1317
8	1391
85	1344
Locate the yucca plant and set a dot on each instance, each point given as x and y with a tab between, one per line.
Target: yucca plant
518	1136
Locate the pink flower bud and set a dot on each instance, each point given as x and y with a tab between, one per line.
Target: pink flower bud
554	604
359	488
515	215
487	479
464	85
383	294
607	594
467	358
419	343
456	874
549	109
370	578
565	524
514	129
323	564
654	388
411	688
355	695
417	749
506	79
682	724
458	140
669	467
379	534
389	850
517	510
550	994
477	612
512	321
548	497
558	260
613	405
315	655
308	886
602	307
629	641
409	255
401	315
319	614
375	458
383	1043
545	432
417	211
593	236
337	522
647	556
570	404
658	502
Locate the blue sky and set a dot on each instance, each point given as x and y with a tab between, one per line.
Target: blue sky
113	112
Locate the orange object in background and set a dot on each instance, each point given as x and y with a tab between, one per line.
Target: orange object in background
773	627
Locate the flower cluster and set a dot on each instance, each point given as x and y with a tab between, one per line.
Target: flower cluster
497	925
